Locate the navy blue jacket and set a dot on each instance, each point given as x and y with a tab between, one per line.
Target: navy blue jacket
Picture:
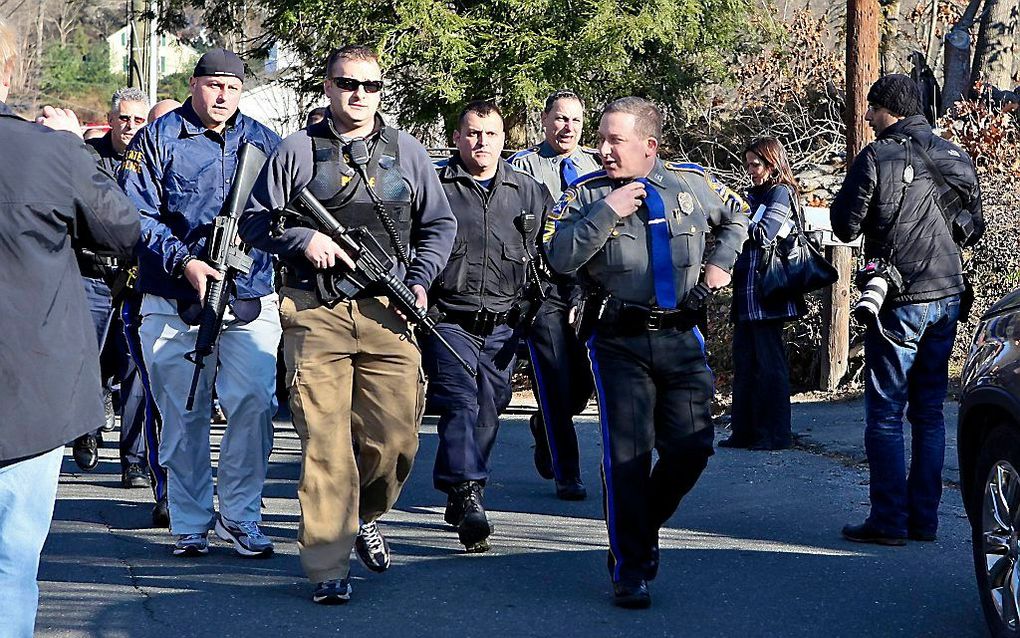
178	174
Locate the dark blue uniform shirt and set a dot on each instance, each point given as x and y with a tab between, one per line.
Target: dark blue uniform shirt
178	174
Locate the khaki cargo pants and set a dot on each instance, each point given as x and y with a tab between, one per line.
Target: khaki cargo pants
354	376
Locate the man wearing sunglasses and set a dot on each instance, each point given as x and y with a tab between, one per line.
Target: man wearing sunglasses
353	364
128	107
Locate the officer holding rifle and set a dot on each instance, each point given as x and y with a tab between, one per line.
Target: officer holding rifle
178	171
353	364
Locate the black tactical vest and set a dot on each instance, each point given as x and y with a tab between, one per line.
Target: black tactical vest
342	191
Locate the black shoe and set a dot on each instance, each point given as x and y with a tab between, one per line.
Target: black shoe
865	533
474	527
333	592
734	442
86	452
161	514
372	548
571	490
924	537
454	513
543	458
632	594
134	476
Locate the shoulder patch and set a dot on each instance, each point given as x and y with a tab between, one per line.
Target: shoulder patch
688	167
522	154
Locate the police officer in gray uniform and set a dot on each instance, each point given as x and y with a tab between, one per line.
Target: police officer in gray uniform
636	233
561	374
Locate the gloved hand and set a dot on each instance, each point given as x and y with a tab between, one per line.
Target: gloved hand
696	298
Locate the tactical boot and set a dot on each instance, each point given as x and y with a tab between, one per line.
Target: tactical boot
474	527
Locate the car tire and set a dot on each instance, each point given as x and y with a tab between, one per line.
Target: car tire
995	528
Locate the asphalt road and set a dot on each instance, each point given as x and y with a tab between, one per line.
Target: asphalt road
754	551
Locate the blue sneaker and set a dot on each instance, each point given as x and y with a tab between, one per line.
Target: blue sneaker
333	592
246	536
191	545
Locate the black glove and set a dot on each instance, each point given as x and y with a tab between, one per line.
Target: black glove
695	299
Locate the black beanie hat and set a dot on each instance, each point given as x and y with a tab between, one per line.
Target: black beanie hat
219	62
897	93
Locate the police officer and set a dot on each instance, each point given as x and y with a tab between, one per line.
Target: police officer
637	231
353	368
561	374
498	212
128	108
178	172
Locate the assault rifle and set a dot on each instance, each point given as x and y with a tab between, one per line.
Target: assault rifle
228	256
369	270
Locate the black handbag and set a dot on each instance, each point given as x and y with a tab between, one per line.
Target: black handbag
794	265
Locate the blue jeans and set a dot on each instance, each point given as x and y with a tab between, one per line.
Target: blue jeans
28	490
908	371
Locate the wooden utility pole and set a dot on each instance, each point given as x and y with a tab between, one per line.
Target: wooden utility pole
862	38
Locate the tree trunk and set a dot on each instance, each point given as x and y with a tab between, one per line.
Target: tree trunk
996	44
956	80
894	48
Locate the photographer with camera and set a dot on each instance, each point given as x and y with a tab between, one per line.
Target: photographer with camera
915	197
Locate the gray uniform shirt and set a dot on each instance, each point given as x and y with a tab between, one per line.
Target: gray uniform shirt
290	169
584	234
544	165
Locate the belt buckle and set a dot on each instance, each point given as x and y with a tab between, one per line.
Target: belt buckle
655	320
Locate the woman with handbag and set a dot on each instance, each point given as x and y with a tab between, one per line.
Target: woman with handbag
760	415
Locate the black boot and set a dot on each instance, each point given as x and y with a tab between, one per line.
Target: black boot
473	528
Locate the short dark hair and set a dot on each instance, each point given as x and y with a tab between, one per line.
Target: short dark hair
561	94
350	52
481	108
647	118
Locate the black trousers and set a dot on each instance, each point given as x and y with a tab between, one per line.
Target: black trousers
468	408
654	390
760	416
562	381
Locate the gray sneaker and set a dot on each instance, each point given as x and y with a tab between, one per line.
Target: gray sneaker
191	545
246	536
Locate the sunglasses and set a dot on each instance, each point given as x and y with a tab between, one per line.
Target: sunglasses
127	118
350	84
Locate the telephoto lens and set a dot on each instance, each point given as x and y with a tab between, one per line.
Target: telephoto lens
873	292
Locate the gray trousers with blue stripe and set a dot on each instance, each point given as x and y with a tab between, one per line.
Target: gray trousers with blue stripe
654	391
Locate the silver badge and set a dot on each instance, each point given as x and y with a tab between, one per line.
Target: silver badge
686	201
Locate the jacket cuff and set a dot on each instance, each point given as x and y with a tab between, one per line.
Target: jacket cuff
723	257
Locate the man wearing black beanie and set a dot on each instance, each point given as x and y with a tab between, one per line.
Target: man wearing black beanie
897	193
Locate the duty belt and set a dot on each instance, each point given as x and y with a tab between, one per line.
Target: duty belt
631	317
480	323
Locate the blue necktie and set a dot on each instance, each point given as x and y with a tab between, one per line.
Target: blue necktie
662	255
568	169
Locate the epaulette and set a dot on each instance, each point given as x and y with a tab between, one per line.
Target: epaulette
519	154
587	177
589	150
688	167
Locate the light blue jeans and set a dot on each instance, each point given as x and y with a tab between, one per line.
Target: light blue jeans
244	369
28	490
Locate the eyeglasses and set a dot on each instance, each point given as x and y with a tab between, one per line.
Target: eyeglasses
350	84
138	121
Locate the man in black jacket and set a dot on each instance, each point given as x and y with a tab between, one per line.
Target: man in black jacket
49	365
498	211
892	197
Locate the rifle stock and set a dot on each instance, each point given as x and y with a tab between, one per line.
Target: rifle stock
227	257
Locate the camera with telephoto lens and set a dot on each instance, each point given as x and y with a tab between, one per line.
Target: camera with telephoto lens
875	280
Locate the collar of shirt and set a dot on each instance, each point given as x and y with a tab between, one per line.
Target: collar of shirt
455	170
192	125
379	128
547	152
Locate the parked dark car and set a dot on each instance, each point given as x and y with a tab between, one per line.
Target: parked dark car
989	449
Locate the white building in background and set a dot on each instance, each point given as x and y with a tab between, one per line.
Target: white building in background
268	99
174	55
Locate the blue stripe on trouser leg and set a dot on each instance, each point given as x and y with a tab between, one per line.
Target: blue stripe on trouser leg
151	424
543	402
607	462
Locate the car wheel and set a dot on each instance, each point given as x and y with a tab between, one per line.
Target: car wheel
996	528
